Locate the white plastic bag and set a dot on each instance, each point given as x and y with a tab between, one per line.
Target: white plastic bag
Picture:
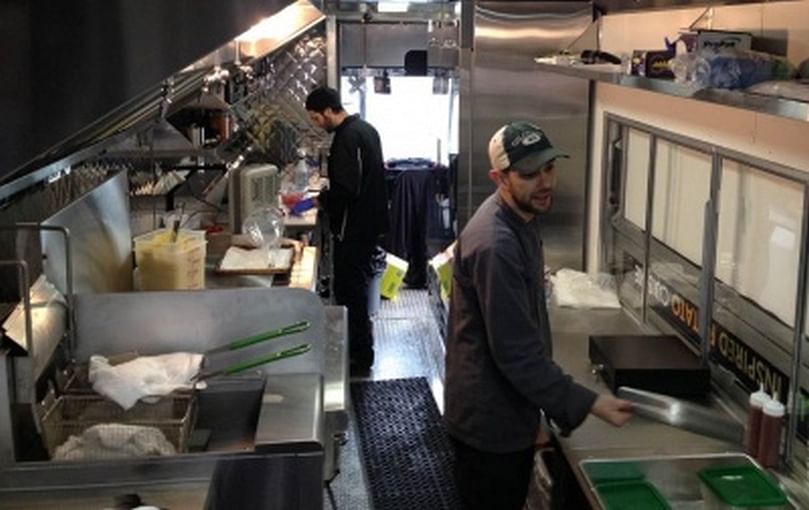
575	289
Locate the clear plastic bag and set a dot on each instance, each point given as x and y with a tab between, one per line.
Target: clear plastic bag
729	68
787	89
575	289
264	227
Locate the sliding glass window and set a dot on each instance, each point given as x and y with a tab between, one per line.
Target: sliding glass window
759	237
637	177
682	186
755	213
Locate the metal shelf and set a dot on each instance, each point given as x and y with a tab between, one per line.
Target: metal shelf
779	107
165	154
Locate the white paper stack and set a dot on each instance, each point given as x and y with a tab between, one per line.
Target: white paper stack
241	259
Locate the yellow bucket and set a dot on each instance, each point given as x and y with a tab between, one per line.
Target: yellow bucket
164	264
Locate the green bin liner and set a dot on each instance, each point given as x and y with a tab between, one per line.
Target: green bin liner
612	471
743	486
631	495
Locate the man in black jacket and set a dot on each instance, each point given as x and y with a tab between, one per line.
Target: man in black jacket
500	373
357	207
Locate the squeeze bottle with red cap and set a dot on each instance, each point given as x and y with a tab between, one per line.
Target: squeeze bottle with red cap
769	441
754	412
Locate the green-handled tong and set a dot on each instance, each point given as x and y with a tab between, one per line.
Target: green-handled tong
260	337
254	362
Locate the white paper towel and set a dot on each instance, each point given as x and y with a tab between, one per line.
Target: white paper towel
144	376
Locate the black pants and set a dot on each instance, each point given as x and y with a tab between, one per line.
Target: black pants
492	481
353	272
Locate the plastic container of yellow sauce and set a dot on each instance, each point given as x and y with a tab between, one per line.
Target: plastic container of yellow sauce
167	264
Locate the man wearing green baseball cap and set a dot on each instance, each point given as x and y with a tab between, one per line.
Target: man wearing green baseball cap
500	375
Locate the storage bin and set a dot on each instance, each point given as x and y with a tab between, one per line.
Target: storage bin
164	264
740	487
441	264
392	278
613	471
631	495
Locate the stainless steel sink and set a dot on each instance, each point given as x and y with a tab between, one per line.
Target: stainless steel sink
675	477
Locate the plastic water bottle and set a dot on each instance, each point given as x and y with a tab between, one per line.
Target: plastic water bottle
301	175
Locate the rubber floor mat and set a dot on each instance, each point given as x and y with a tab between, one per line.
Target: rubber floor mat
405	448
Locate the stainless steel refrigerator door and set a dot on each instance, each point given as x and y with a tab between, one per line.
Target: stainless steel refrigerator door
500	83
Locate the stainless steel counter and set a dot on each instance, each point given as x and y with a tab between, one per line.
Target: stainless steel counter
274	431
335	387
279	463
595	438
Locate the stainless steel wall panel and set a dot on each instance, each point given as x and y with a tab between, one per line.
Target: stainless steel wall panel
160	322
504	85
379	45
7	436
37	204
100	237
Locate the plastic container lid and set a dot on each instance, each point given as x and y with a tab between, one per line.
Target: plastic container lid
631	495
743	487
760	398
601	472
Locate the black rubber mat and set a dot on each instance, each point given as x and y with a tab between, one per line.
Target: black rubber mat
404	446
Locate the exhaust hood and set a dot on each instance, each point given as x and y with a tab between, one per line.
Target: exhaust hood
90	69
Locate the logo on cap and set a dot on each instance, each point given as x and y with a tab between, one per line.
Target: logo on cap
521	146
526	139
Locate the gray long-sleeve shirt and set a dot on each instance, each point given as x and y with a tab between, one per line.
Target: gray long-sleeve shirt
499	370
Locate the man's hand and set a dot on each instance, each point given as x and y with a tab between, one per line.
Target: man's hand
614	411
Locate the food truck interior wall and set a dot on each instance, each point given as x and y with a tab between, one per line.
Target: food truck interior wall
776	140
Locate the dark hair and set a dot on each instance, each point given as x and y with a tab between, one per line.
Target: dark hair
323	97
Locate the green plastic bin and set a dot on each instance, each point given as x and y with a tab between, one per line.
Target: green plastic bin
612	471
741	487
631	495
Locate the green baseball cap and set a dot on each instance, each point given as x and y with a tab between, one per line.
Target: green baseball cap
523	147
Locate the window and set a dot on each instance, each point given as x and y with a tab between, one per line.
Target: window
637	177
759	231
412	121
682	186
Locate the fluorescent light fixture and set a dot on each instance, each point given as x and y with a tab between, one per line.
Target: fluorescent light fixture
392	6
276	26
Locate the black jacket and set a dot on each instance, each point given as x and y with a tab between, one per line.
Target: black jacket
357	201
499	366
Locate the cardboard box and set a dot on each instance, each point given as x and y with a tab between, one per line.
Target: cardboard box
719	39
652	63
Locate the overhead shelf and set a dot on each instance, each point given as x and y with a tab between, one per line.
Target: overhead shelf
779	107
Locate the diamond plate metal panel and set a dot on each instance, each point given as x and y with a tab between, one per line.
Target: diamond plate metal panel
272	117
